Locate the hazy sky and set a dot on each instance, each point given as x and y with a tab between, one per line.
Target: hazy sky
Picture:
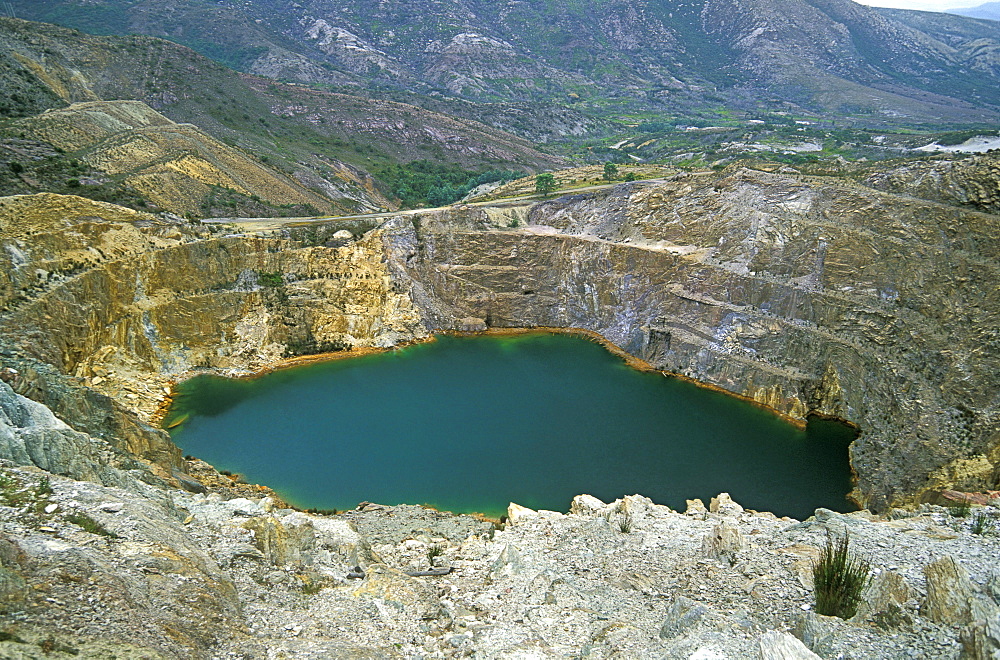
926	5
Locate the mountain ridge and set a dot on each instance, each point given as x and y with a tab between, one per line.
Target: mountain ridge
988	10
600	59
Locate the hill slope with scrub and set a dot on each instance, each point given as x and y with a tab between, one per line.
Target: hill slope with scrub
326	146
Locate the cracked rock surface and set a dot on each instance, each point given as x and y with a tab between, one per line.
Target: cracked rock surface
105	571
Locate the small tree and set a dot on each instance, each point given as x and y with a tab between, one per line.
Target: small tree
545	183
629	176
610	171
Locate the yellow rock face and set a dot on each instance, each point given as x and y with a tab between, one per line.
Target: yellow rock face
172	165
28	215
130	306
49	238
963	474
65	83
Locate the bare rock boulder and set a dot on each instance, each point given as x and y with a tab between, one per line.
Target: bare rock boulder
725	506
724	542
950	593
774	645
400	591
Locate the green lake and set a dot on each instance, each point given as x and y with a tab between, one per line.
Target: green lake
471	423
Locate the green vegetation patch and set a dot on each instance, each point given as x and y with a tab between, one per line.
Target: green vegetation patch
270	279
981	524
545	183
89	525
226	202
15	494
29	166
427	183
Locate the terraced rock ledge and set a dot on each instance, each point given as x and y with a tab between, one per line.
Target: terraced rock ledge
810	296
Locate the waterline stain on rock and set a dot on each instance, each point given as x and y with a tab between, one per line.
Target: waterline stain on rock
470	424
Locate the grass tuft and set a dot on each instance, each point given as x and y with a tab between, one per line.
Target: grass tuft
839	578
623	521
43	488
432	552
981	524
962	509
89	525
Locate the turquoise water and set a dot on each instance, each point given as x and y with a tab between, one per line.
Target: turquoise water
470	424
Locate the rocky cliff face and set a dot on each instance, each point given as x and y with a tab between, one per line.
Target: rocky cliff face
134	304
808	296
973	182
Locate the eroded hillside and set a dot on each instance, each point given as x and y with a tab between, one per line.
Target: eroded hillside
972	182
177	167
313	149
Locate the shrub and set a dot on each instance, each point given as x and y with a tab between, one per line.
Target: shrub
839	578
545	183
270	279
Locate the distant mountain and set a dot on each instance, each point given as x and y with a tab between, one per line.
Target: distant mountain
988	10
608	58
